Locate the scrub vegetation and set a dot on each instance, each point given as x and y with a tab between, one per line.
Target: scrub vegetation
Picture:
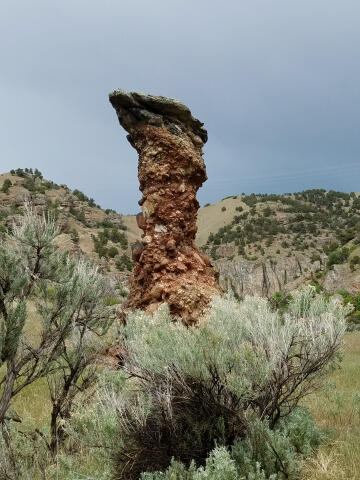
262	389
223	399
269	224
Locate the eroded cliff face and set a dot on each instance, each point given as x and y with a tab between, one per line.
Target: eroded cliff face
340	277
169	267
264	277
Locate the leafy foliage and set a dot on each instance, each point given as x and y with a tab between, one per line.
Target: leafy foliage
280	301
124	262
71	312
338	256
83	198
20	172
354	315
78	214
112	234
299	217
199	387
264	454
6	185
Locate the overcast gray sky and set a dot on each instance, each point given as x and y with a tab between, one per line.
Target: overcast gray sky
276	82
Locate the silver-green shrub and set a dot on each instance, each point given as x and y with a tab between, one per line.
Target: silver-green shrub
219	466
276	452
264	454
61	340
211	384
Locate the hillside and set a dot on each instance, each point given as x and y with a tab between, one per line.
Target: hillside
278	242
85	228
260	244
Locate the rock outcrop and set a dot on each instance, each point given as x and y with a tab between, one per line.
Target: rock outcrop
169	267
266	276
340	277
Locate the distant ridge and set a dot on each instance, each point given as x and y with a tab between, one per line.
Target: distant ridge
260	243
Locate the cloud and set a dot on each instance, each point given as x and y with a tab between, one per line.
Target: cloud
276	84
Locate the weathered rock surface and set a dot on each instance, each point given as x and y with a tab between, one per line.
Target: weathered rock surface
169	267
340	277
265	277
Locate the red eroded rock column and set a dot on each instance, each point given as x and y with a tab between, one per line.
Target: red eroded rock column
169	267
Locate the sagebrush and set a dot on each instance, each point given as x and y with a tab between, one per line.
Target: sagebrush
208	385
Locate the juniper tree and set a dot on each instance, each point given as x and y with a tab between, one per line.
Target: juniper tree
68	295
6	185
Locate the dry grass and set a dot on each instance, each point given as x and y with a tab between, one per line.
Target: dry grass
212	217
338	409
34	402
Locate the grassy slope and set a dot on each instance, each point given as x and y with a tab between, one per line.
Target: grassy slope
338	409
291	230
211	218
85	231
334	409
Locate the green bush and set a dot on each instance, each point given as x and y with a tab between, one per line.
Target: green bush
84	198
111	300
102	238
106	223
267	211
78	214
52	208
280	301
74	235
6	185
354	261
20	172
265	454
124	263
353	317
213	253
206	386
112	252
29	184
117	237
318	287
72	319
338	256
330	247
277	451
219	466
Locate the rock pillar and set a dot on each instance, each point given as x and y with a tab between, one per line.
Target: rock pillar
169	268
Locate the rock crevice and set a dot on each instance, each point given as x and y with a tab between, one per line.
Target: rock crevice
169	267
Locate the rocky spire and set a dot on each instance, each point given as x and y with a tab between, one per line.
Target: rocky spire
169	267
